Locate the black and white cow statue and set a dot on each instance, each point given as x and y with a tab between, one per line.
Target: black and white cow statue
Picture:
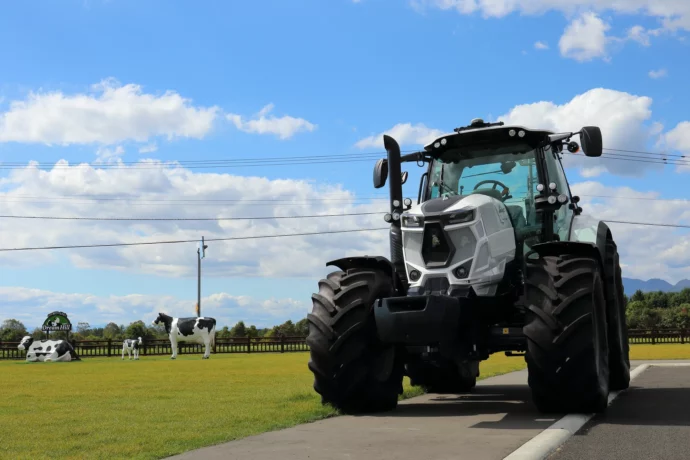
196	330
48	350
131	346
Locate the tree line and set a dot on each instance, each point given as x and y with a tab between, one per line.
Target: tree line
644	310
658	309
12	330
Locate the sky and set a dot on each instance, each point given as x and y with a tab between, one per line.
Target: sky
169	109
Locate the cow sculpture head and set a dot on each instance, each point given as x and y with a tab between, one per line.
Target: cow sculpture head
26	342
165	319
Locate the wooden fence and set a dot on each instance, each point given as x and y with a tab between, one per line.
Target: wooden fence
113	348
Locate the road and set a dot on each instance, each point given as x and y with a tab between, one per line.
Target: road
650	421
488	424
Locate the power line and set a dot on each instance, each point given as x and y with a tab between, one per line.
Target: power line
268	236
190	218
646	223
636	198
265	161
190	241
238	200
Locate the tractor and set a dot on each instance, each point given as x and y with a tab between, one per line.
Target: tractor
495	256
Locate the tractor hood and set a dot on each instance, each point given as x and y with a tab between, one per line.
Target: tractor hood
457	208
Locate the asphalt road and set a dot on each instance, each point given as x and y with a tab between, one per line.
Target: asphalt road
486	425
649	421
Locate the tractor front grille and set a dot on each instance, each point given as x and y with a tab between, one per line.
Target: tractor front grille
437	249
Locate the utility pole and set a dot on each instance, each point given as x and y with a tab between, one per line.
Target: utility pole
200	253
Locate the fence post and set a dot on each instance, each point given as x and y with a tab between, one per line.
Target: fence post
654	332
110	346
282	344
682	336
249	344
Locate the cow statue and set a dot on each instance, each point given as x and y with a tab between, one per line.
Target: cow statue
48	350
131	346
197	330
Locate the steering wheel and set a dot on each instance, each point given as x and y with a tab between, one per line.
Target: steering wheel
504	193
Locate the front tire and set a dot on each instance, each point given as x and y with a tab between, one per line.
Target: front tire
567	348
353	371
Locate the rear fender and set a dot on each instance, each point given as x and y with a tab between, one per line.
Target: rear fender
586	229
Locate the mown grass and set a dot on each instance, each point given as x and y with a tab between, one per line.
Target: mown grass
155	407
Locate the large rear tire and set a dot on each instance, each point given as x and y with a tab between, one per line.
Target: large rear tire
353	371
443	378
619	348
567	348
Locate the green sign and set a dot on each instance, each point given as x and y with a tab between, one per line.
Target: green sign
57	321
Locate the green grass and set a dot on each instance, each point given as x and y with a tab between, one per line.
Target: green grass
107	408
660	351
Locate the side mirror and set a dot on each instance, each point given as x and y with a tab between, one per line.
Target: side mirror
380	173
576	199
404	178
590	138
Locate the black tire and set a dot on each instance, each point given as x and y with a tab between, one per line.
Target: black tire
353	371
567	349
619	348
443	378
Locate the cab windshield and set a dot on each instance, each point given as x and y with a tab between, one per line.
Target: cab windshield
507	173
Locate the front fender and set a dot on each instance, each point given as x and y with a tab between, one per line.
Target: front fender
376	262
369	262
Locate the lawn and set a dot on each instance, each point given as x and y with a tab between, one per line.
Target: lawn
155	407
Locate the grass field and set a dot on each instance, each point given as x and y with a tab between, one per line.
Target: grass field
107	408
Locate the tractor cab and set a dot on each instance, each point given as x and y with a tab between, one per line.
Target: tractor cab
519	167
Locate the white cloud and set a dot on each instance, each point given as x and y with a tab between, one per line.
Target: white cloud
109	155
657	73
594	171
673	14
647	252
678	139
284	127
109	114
541	46
621	116
31	306
149	148
159	192
404	133
585	38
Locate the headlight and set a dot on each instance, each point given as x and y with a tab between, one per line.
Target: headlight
412	221
459	217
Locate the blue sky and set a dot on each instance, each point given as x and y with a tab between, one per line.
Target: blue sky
348	70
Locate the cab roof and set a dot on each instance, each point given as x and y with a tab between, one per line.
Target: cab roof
481	134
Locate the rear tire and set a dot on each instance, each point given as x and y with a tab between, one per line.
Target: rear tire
567	348
443	378
353	371
619	348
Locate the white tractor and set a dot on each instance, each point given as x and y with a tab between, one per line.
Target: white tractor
495	256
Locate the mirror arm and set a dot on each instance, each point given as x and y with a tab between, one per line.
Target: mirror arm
416	156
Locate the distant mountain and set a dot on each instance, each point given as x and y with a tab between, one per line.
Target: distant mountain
630	285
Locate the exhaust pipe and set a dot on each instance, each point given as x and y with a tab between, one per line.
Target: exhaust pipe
395	186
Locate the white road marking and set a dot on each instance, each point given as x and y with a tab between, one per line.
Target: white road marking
546	442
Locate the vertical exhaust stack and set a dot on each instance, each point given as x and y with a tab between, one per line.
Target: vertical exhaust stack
396	201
